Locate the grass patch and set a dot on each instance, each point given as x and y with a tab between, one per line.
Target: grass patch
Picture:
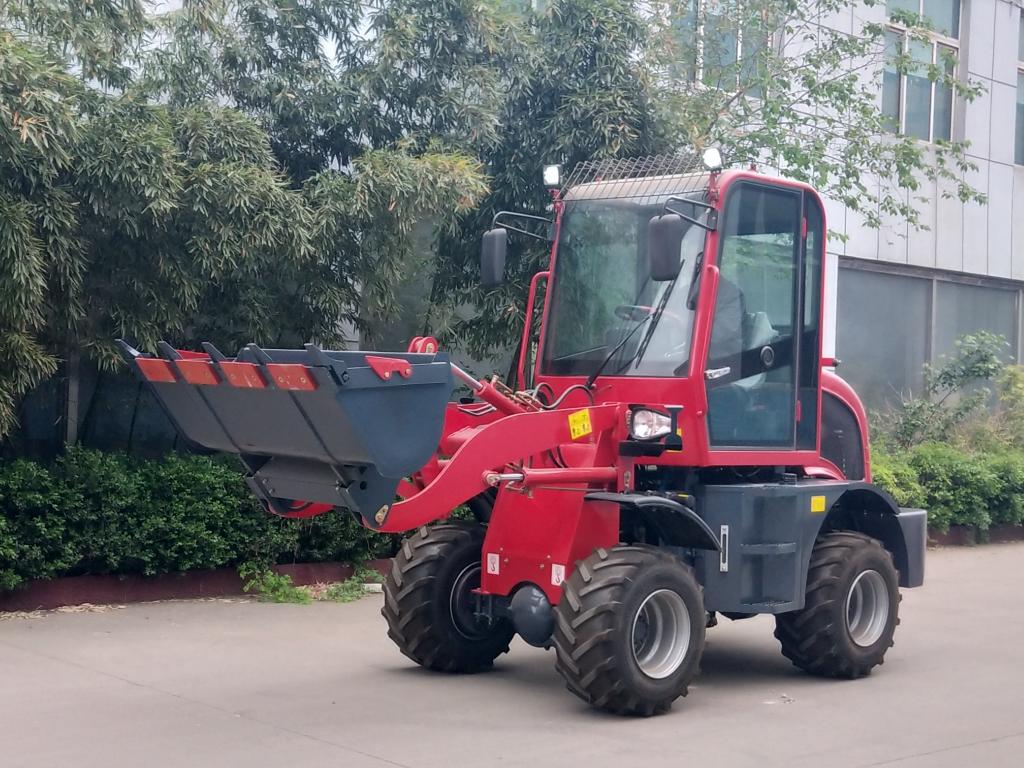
270	587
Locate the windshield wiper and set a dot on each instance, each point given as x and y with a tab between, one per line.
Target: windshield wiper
616	349
652	318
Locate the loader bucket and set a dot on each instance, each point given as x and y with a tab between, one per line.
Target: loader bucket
311	426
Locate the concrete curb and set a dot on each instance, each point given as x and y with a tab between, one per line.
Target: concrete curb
219	582
966	536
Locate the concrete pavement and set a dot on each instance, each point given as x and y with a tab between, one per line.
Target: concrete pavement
246	684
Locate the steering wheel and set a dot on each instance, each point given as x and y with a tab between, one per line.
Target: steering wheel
633	312
638	312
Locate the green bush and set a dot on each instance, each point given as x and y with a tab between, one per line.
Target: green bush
957	487
893	472
37	513
960	489
955	451
1008	503
93	512
953	392
1010	405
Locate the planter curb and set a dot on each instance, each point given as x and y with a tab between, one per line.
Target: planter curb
966	536
115	589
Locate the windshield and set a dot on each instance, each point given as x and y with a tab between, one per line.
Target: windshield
603	296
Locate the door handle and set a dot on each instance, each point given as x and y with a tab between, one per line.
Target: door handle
717	373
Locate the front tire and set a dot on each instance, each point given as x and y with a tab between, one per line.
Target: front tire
851	611
629	630
429	602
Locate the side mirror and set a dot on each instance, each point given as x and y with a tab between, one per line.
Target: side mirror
664	241
492	257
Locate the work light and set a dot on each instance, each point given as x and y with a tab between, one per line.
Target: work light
645	424
552	175
712	158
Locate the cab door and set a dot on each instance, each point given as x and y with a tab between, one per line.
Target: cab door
761	371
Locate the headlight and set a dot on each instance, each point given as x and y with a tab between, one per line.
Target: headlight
645	424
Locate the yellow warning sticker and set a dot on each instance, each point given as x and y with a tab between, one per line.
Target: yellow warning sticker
817	503
679	431
579	424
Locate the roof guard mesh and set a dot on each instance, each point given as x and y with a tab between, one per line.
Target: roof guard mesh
653	176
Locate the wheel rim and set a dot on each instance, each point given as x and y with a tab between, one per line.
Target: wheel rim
661	634
462	603
867	608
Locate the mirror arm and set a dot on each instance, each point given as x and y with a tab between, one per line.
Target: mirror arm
710	225
520	230
526	232
688	201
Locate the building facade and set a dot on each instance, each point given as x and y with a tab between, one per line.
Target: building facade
901	296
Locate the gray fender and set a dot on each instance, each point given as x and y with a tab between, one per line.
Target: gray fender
679	525
868	509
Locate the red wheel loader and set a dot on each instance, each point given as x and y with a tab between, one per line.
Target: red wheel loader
676	448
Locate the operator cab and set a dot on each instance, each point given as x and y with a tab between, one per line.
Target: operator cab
680	273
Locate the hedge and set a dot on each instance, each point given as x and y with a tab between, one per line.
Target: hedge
93	513
955	486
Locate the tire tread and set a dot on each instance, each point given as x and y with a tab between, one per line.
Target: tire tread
809	636
408	594
585	627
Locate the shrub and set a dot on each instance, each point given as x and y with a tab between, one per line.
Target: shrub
37	513
958	488
893	472
955	451
93	512
1007	506
1010	404
8	552
953	392
334	537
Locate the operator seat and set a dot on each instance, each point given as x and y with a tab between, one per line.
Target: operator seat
741	402
757	332
726	402
727	339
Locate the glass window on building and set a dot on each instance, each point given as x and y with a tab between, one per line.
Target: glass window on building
964	309
886	328
729	44
914	104
882	334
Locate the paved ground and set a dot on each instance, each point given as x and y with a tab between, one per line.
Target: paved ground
244	684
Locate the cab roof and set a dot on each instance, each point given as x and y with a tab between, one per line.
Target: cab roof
655	178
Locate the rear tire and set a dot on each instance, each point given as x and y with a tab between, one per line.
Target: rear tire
429	604
629	630
851	611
